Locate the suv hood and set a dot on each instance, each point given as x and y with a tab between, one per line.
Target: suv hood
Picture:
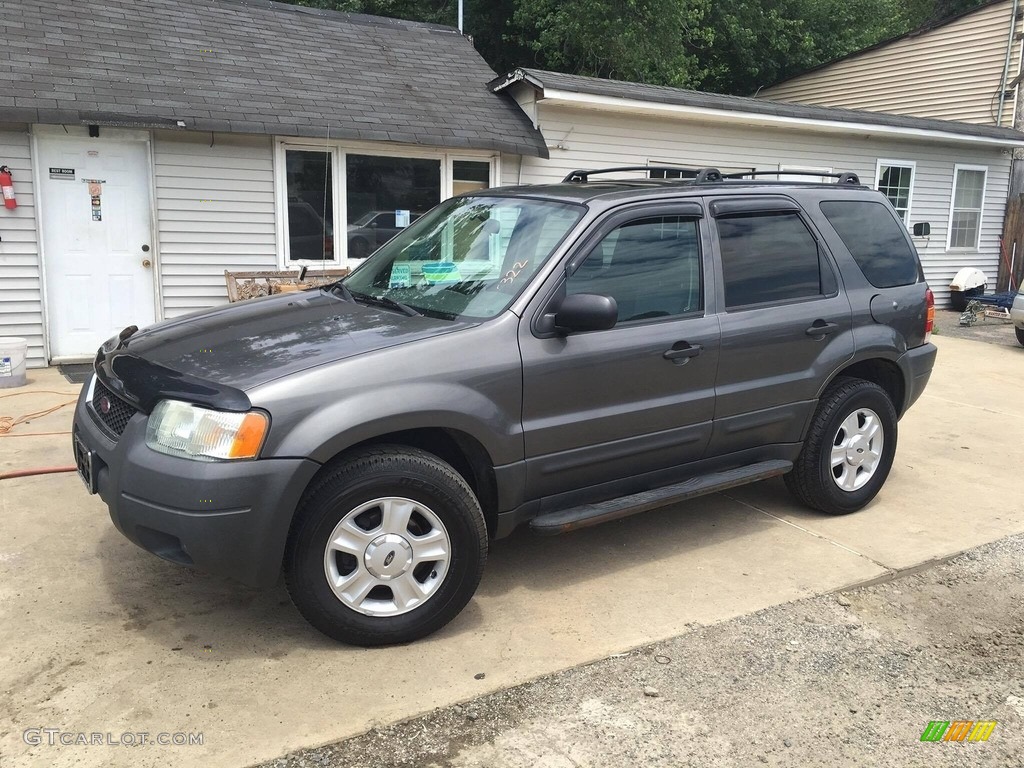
244	345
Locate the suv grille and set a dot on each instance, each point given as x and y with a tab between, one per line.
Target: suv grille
112	412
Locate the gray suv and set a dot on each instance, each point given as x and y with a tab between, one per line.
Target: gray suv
555	356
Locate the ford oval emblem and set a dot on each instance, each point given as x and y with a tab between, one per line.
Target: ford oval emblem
104	405
389	558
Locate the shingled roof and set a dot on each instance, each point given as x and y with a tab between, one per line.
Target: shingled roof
252	66
541	80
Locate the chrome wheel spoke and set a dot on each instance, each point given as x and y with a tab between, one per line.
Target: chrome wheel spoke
431	547
349	538
838	455
355	586
407	592
395	514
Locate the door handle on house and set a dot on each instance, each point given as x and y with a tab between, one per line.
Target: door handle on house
681	352
821	328
147	263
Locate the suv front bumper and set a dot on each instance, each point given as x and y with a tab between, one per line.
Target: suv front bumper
228	518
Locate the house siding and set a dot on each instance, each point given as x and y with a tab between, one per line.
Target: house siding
214	211
594	139
952	73
21	305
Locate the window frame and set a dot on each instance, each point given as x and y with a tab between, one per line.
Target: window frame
912	165
824	262
950	248
340	149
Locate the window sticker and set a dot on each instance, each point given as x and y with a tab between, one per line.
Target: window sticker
401	275
441	272
402	219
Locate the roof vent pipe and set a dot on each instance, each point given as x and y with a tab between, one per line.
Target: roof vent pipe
460	14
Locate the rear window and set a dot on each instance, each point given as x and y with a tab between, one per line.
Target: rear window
876	240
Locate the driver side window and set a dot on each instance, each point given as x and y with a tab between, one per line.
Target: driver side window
651	267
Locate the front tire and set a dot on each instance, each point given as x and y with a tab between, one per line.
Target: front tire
387	547
849	448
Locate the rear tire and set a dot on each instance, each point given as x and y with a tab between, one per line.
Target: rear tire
1020	335
849	448
387	547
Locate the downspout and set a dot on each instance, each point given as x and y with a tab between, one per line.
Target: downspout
1006	64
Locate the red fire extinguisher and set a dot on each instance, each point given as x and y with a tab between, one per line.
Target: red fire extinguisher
7	187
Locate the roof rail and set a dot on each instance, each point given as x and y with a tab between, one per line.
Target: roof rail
700	175
841	178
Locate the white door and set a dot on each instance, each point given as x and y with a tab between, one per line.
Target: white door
98	254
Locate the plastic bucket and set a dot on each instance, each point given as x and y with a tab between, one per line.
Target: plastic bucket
13	351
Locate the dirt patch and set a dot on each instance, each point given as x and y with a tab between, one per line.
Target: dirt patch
991	330
849	679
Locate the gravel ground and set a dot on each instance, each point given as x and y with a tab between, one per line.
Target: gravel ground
993	330
836	680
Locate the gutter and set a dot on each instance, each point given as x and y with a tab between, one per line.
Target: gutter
737	117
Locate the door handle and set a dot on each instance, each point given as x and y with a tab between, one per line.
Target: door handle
147	263
681	352
821	328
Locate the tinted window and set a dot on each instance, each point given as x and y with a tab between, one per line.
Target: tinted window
651	267
767	257
877	241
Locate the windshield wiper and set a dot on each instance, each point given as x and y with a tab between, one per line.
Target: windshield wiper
339	287
384	301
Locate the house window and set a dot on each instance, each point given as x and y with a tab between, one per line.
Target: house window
968	200
470	176
310	210
895	180
383	195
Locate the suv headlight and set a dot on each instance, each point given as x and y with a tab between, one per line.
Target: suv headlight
192	432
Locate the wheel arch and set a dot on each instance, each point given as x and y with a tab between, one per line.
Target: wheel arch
882	371
461	450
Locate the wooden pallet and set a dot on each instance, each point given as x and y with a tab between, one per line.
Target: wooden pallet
250	285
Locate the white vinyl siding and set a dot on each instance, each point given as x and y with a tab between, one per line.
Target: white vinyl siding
597	140
21	305
214	211
953	72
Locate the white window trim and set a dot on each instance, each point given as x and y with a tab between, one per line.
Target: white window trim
340	149
912	165
952	202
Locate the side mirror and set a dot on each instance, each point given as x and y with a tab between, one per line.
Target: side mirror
922	229
586	312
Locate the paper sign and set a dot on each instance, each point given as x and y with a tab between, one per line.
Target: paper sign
401	275
5	366
68	174
402	219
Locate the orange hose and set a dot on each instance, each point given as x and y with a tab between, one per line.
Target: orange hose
37	471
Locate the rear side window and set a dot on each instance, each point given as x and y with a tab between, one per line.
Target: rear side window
768	257
876	240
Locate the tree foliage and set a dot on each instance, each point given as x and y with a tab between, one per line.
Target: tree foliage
729	46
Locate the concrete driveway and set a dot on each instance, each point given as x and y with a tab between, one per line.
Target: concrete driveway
97	636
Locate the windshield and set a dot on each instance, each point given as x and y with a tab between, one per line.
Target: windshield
468	257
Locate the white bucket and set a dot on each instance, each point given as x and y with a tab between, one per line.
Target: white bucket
13	351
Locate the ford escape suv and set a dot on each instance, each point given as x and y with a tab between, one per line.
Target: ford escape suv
556	356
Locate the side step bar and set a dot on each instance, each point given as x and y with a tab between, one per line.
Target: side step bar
585	515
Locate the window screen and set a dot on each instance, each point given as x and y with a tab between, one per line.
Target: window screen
310	205
651	267
876	240
767	258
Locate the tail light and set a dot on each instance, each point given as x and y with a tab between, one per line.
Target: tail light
929	314
328	247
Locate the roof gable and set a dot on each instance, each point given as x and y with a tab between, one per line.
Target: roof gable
252	66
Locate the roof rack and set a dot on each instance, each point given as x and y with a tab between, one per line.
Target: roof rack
841	178
698	175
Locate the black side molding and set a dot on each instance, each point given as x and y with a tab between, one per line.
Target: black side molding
565	520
